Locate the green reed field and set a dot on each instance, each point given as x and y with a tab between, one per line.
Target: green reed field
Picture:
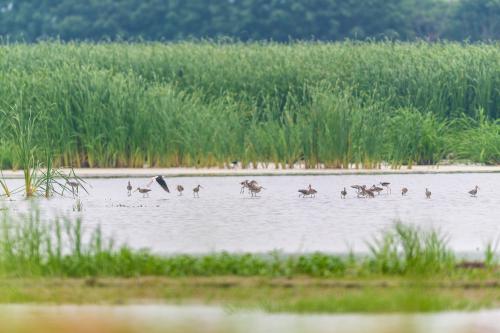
207	104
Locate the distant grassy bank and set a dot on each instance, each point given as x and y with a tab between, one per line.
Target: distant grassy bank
63	247
206	104
407	269
297	294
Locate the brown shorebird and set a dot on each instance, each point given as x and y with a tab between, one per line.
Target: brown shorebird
254	188
196	191
343	193
311	192
252	183
74	186
404	190
473	193
376	189
144	191
243	186
129	189
180	188
428	193
387	186
359	190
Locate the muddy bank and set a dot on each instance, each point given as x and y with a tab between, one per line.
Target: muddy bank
270	170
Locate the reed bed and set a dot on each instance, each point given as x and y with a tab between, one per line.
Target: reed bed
207	104
62	247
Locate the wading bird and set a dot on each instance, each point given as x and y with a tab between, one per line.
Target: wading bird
129	189
303	193
428	193
244	185
387	186
144	191
376	189
312	192
361	192
180	188
254	190
309	191
196	191
249	185
343	193
74	186
473	193
404	190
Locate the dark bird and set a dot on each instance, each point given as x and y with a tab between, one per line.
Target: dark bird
196	191
473	193
162	183
308	192
312	192
180	188
129	189
144	191
387	186
303	193
404	190
343	193
74	186
428	193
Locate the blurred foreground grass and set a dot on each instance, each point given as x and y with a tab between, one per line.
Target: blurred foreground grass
407	270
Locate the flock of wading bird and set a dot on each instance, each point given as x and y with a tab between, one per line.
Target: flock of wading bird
253	188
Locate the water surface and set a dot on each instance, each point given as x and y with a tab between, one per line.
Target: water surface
224	219
165	318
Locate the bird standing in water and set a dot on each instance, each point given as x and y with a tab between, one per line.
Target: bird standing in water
428	193
129	189
387	186
376	189
303	193
343	193
473	193
180	188
144	191
312	192
196	191
404	190
74	186
244	185
255	189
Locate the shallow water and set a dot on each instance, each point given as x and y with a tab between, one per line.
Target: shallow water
223	219
162	318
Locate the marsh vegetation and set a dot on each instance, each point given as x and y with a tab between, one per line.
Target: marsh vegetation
208	104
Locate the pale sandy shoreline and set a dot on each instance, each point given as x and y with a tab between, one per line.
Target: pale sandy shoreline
207	172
